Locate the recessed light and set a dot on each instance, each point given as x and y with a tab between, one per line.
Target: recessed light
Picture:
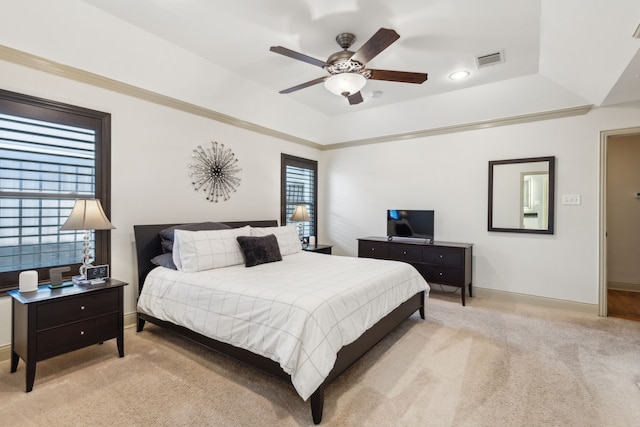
459	75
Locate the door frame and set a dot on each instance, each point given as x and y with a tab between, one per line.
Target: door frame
602	239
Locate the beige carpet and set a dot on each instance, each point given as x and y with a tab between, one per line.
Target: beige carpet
488	364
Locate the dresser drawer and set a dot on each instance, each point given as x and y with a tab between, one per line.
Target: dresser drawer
66	310
367	249
77	335
442	274
407	253
443	256
446	263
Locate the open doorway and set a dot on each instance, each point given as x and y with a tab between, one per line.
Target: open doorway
620	224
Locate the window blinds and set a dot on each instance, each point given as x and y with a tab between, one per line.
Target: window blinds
300	190
44	167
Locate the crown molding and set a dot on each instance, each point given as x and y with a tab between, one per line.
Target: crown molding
485	124
42	64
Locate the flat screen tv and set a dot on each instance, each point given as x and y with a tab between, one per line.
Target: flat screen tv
410	223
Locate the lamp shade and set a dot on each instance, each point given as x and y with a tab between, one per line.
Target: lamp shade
87	214
300	214
345	84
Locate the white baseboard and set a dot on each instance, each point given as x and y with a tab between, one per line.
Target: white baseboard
536	300
129	322
5	352
633	287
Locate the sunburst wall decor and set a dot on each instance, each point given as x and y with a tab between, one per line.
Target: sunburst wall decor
214	171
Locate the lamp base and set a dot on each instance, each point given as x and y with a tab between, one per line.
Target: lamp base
86	254
299	227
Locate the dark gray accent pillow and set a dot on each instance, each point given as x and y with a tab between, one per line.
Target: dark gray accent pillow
259	250
166	235
164	260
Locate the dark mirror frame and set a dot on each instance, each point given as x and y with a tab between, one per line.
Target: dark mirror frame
551	192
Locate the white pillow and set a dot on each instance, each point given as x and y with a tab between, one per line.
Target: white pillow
203	250
287	236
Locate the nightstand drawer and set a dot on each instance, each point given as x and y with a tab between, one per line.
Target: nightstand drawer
368	249
77	335
443	274
66	310
406	253
443	256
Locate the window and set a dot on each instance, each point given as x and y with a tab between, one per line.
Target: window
50	155
299	187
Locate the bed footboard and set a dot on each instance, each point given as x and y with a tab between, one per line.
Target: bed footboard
350	354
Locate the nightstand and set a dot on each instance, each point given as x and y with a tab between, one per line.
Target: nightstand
321	249
49	322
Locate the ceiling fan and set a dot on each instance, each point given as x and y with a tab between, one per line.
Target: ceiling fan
347	71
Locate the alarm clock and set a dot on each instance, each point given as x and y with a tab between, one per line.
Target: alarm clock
98	273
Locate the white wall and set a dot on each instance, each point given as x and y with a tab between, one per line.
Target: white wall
151	148
449	173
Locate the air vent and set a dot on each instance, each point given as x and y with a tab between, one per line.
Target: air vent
490	59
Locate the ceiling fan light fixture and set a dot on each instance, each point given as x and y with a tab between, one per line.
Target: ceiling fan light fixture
345	84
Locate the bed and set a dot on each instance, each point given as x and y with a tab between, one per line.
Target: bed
182	300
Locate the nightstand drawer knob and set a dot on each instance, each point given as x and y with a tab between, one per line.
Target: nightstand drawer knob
82	307
441	256
81	332
404	252
373	249
440	273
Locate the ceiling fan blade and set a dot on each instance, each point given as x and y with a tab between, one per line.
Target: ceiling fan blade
376	44
299	56
398	76
354	99
304	85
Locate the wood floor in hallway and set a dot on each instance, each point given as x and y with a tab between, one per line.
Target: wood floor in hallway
624	304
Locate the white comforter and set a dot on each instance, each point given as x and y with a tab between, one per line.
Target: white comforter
298	312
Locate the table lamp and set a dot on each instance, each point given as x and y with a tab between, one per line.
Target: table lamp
87	215
299	215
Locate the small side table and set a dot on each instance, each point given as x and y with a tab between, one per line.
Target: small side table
321	249
49	322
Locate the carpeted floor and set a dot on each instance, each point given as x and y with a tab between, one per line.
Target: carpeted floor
491	363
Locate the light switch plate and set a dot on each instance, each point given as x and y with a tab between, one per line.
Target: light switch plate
570	199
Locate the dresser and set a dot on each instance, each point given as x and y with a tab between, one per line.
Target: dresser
446	263
49	322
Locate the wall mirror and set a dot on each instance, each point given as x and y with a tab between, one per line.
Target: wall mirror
521	195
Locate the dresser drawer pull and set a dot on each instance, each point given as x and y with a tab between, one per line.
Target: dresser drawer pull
81	332
404	252
441	256
373	249
440	274
82	307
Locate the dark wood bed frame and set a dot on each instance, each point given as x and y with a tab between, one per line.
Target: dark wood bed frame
148	245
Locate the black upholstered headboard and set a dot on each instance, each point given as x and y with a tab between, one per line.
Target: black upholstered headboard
148	243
